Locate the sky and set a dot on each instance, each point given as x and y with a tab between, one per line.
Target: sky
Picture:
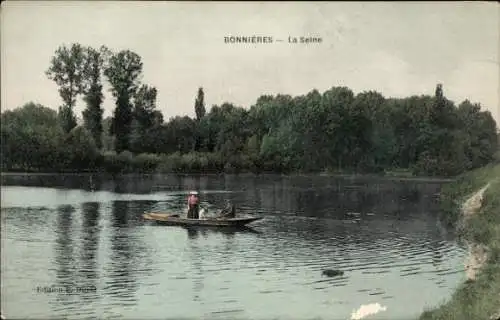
396	48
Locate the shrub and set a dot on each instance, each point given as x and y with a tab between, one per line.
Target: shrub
146	162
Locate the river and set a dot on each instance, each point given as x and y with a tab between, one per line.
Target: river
86	233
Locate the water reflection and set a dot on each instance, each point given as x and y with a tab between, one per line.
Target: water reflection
64	248
75	266
227	232
122	283
196	255
382	234
90	242
193	233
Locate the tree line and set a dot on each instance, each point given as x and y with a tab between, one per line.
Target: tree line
335	131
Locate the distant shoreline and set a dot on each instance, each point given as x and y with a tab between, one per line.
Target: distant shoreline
389	176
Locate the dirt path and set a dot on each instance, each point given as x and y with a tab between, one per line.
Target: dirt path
477	254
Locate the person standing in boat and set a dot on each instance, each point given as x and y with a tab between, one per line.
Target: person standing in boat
193	205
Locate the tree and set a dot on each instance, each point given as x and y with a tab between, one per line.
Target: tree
107	139
32	138
199	105
66	70
67	118
123	72
92	90
145	106
199	108
336	132
332	130
81	149
439	91
366	131
145	117
180	134
480	138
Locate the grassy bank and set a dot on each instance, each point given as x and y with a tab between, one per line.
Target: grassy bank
479	298
193	163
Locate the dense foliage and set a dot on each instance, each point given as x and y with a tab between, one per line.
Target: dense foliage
336	131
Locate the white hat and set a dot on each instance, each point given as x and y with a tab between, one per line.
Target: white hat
193	192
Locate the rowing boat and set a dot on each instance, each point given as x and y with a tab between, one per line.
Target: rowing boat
176	219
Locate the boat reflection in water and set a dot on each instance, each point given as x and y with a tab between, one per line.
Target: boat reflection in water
177	220
194	231
195	227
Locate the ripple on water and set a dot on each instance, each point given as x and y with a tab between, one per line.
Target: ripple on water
216	275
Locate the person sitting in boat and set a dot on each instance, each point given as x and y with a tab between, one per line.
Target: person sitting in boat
202	214
229	211
193	205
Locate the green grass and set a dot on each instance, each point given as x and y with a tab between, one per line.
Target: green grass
478	299
454	194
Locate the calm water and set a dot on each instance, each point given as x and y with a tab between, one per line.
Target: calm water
81	232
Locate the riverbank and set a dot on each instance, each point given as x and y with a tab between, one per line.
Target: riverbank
202	163
472	205
356	176
195	163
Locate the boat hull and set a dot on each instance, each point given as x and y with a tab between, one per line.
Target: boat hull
177	220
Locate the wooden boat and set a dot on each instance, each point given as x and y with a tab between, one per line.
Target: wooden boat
176	219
